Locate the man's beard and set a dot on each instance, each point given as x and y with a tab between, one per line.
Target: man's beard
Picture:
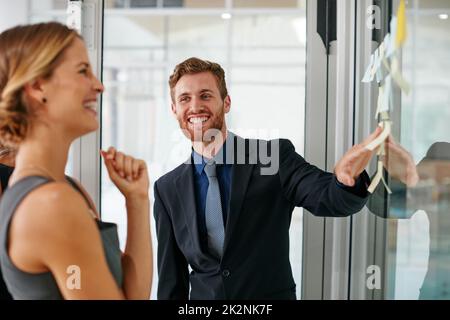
203	133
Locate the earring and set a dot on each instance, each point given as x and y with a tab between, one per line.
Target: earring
44	100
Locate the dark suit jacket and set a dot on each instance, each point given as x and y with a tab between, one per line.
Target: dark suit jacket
255	262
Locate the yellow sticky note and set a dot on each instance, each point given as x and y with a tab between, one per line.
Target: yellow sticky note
401	24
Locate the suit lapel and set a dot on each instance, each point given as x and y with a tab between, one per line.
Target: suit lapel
186	195
241	174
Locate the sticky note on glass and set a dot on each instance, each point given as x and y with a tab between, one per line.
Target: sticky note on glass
376	62
386	94
386	43
368	76
401	25
398	77
382	137
382	69
393	35
379	100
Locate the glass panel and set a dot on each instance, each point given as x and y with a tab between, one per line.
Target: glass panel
204	3
164	3
423	240
269	3
46	5
415	218
202	36
45	11
136	107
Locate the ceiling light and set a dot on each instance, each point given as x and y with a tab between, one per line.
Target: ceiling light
226	16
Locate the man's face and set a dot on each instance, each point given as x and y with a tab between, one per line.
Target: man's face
198	105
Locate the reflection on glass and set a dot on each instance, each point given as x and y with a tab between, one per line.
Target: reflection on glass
418	168
425	187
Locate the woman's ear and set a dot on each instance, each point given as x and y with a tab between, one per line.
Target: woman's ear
35	93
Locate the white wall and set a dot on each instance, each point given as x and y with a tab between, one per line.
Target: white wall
13	13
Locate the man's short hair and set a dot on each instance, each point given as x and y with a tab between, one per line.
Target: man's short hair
195	65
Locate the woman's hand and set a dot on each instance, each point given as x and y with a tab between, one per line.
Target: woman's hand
128	174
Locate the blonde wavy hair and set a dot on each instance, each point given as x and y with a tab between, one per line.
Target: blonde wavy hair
27	53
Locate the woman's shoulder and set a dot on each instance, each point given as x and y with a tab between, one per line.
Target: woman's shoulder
51	207
50	223
52	198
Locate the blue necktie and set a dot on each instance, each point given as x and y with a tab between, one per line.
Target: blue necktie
213	212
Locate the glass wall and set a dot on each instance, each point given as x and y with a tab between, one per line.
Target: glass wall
42	11
423	238
262	49
410	228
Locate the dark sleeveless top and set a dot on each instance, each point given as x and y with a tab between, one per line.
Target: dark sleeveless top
40	286
5	173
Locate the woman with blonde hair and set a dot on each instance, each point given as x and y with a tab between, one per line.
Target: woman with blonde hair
52	243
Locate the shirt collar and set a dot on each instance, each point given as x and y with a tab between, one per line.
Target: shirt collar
220	157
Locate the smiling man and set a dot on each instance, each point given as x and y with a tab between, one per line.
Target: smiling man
224	216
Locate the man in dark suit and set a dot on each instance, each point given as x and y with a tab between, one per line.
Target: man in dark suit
225	213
